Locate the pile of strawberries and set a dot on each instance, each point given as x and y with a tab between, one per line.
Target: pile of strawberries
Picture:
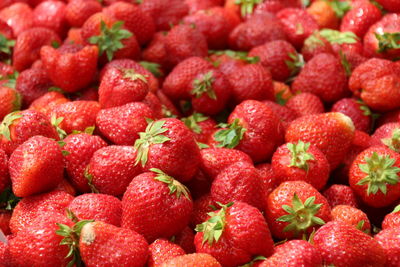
199	133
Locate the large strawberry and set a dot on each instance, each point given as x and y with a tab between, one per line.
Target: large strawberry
359	113
78	11
19	17
162	250
10	100
51	15
351	216
47	102
389	239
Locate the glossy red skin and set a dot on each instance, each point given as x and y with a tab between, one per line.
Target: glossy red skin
4	175
66	187
338	194
91	27
283	195
323	76
183	42
297	24
156	52
29	208
5	217
350	215
123	247
268	178
19	16
353	52
98	207
240	182
312	47
351	108
322	130
155	105
391	220
47	102
293	253
343	245
355	175
8	99
207	128
389	240
285	114
113	168
384	132
139	23
185	239
390	5
28	44
38	244
162	250
256	31
51	14
201	207
318	169
177	83
304	104
31	123
78	11
116	90
193	259
245	234
81	148
150	209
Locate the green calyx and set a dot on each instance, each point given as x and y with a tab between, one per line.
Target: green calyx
363	107
152	135
109	40
345	63
394	141
231	136
5	44
7	122
213	228
295	63
175	187
89	177
253	261
204	85
396	209
387	41
56	124
8	200
301	216
192	122
239	55
337	37
247	6
380	172
132	75
154	68
299	154
88	130
360	226
339	7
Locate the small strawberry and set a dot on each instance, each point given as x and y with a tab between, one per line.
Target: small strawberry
32	84
304	104
352	216
390	5
47	102
19	16
338	194
359	113
51	15
78	11
392	220
201	126
154	198
389	239
200	259
10	100
162	250
388	135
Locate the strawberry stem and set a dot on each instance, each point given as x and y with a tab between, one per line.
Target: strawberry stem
191	122
175	187
387	41
394	141
299	154
5	44
247	6
7	122
204	85
231	136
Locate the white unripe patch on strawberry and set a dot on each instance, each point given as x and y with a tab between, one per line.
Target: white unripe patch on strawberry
346	120
88	234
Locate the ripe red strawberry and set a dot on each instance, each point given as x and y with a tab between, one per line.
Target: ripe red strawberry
156	52
282	92
19	16
201	259
297	25
19	126
154	198
356	110
389	240
301	161
88	94
352	216
255	31
234	234
185	239
5	217
36	166
122	86
324	13
268	178
32	207
162	250
201	207
295	208
74	36
293	253
279	56
28	44
373	176
123	247
304	104
47	102
390	5
316	44
167	144
285	114
10	100
210	91
98	207
323	76
135	20
392	220
51	14
343	245
338	194
78	11
323	130
4	175
201	126
129	119
111	169
32	84
387	135
66	187
196	5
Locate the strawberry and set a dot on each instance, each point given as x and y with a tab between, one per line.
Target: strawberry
301	161
51	14
32	84
297	25
167	144
111	169
201	126
36	166
185	239
240	182
80	149
373	176
5	217
285	114
201	207
201	259
78	11
301	253
10	100
156	51
98	207
268	178
390	5
122	86
19	16
341	244
255	31
154	198
316	44
28	44
388	135
74	37
352	216
135	20
282	92
32	207
338	194
184	41
389	240
304	104
124	247
324	14
196	5
356	110
130	119
63	67
322	130
47	102
323	76
392	220
162	250
296	208
234	234
66	187
388	117
4	175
